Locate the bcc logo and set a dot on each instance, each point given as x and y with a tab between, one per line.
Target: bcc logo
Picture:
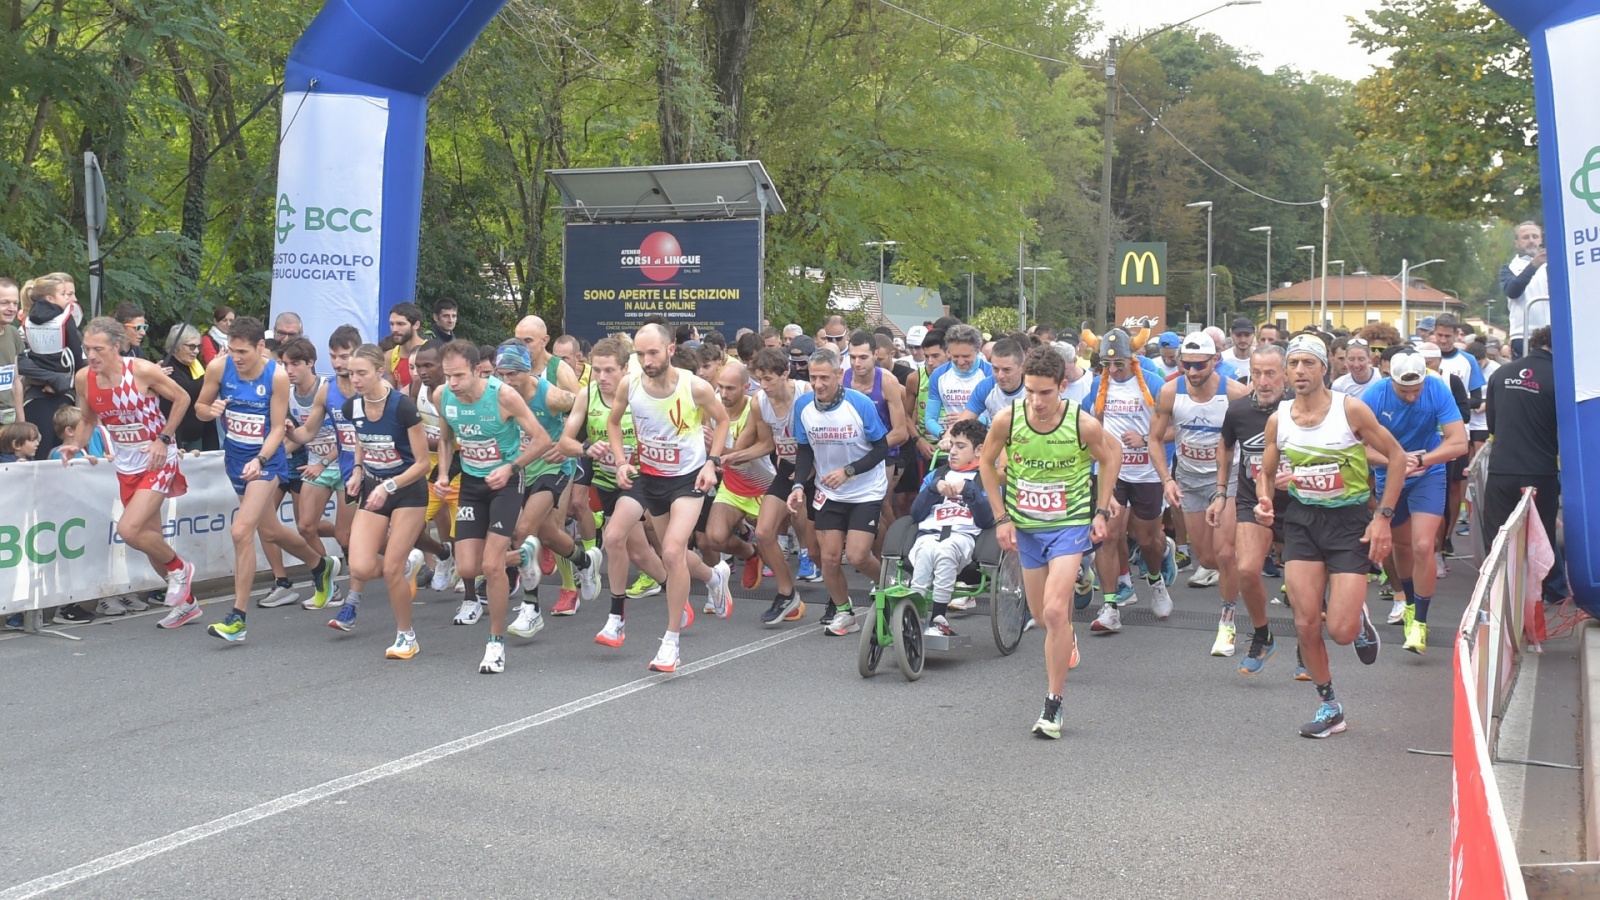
316	218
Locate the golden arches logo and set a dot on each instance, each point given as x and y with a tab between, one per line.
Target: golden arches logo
1139	258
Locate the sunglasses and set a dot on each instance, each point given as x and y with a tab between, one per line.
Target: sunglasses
195	347
835	338
1356	342
1193	366
141	328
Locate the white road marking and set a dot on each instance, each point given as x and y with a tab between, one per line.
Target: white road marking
287	802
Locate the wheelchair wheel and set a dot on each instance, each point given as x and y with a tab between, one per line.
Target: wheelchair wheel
869	652
906	624
1008	607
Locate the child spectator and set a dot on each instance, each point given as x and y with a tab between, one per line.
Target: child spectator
951	511
67	421
19	441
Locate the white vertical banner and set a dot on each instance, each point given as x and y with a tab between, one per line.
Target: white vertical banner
329	232
1574	72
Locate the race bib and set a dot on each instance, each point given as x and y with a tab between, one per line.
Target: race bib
246	428
433	432
788	448
8	374
482	454
952	513
1132	457
1319	482
379	453
127	434
1252	467
1042	499
347	436
662	456
324	445
818	498
1198	454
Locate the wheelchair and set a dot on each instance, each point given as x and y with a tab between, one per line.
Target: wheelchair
900	614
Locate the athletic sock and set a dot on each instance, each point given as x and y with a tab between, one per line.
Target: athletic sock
316	570
580	556
177	563
565	568
281	582
1184	549
671	638
470	586
353	598
1264	633
1154	577
619	605
1325	691
497	639
1422	609
1227	611
587	546
1408	587
444	552
512	575
940	609
1111	598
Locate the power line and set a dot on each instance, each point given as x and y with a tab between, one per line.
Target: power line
983	40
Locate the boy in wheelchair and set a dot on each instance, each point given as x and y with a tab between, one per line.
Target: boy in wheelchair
951	510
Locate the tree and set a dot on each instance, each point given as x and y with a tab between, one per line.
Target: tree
995	320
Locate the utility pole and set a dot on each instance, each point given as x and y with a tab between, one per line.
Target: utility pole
1327	208
1110	124
1022	294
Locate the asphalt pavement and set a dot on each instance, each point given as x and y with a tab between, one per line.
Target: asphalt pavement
302	763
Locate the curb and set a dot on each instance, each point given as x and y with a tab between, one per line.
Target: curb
1589	651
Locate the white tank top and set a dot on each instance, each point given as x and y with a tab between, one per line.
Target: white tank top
1126	410
783	427
1199	428
668	428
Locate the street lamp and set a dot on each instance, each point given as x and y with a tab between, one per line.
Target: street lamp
1211	296
1311	298
880	245
1108	124
1340	264
1406	268
1036	270
1366	281
1268	230
969	288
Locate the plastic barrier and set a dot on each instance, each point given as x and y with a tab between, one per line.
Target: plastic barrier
58	532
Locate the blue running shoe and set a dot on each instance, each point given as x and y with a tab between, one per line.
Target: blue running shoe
345	618
1270	568
807	570
1169	563
1260	651
1329	721
1300	673
1125	595
1136	559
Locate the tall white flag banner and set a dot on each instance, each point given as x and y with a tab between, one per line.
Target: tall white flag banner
328	236
1574	71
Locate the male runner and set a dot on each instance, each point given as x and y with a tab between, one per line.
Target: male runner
775	434
441	511
1453	361
1360	373
1046	444
1320	435
313	430
952	384
888	396
250	393
844	444
910	483
1194	404
674	472
124	394
746	477
1421	413
405	324
487	420
1001	389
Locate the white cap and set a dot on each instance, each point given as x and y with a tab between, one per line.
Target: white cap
915	335
1199	343
1429	350
1408	369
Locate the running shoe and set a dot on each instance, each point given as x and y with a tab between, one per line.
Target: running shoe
643	586
1126	595
1397	610
1270	567
1417	637
1169	563
280	595
1367	640
796	614
1281	598
766	572
780	609
324	585
14	622
494	658
180	585
413	569
110	606
1329	721
751	577
807	570
528	622
939	627
469	613
527	569
1439	568
1108	621
718	597
405	646
71	614
1073	662
566	603
688	617
230	629
1029	625
844	621
1260	651
1183	559
1408	616
1300	673
136	603
1226	634
614	633
963	604
1464	529
667	658
547	561
444	573
182	614
589	576
1203	577
1161	603
345	618
1049	724
1083	591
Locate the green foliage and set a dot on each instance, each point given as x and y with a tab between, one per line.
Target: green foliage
995	319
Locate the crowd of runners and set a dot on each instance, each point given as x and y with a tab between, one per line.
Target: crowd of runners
662	461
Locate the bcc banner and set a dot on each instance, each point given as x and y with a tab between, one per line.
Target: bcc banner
706	274
1140	269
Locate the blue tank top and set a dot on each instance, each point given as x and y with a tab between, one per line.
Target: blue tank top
245	420
343	427
877	398
385	441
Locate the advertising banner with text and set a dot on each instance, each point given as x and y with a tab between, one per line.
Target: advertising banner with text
706	274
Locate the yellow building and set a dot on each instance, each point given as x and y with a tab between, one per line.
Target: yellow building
1352	301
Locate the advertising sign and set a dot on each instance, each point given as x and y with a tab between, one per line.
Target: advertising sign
1574	71
328	235
706	274
1141	270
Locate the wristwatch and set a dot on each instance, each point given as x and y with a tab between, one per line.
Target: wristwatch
849	471
262	460
389	486
715	461
165	438
1103	512
1386	511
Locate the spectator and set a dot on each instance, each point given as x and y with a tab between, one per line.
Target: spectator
405	325
131	317
771	338
19	441
790	332
1526	283
1270	333
182	363
216	340
10	349
286	327
53	351
1521	417
445	314
67	422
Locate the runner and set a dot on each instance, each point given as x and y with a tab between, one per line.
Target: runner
905	490
1417	410
1123	397
746	477
311	429
341	344
1000	389
124	395
775	434
1244	427
391	465
1359	374
441	511
674	473
844	444
1320	435
250	393
887	394
1047	444
483	416
1195	404
952	384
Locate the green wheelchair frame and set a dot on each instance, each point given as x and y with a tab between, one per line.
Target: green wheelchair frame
899	614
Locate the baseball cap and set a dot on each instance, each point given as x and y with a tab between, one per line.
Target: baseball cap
1241	325
1430	350
1408	369
1170	340
801	346
1200	343
1426	325
513	356
915	335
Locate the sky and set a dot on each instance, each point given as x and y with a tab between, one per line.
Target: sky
1310	35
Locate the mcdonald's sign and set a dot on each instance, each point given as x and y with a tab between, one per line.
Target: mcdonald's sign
1141	269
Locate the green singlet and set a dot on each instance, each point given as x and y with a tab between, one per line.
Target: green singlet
1047	475
486	441
596	413
1327	462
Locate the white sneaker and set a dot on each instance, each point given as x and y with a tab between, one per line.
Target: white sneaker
443	572
1203	577
1397	611
494	658
962	604
614	633
1440	569
529	568
1225	640
182	614
1109	619
845	621
469	613
134	603
719	600
413	566
1161	603
180	585
589	579
278	596
667	658
110	606
528	622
